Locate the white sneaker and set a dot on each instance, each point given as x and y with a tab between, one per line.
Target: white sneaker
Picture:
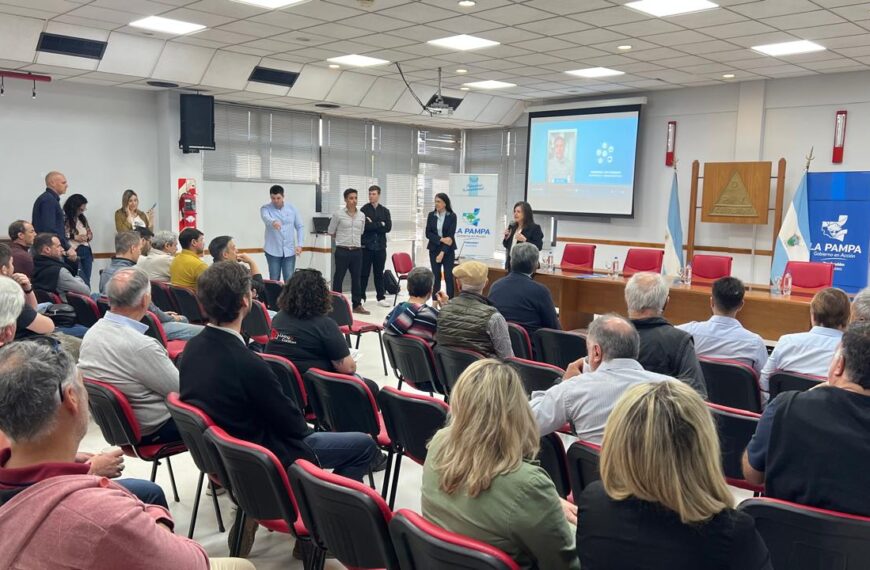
385	303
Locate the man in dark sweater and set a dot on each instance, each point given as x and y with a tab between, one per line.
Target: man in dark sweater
520	299
48	215
374	244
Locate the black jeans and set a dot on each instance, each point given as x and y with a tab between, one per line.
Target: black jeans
377	259
348	259
447	264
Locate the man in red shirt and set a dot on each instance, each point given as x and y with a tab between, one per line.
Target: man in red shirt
22	234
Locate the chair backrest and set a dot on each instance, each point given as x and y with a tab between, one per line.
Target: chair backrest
583	459
188	304
113	413
559	348
422	545
155	328
578	256
413	359
731	383
257	324
521	342
536	375
637	260
343	403
810	274
340	312
412	419
451	362
711	267
273	291
555	463
735	428
258	480
402	263
782	381
161	295
344	516
192	423
289	377
807	538
47	296
103	305
87	312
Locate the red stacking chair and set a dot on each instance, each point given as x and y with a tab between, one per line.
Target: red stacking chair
451	362
161	295
578	256
711	267
113	413
344	516
583	460
555	463
521	342
808	538
731	383
810	274
736	427
342	314
411	421
291	382
559	348
188	304
637	260
782	381
103	305
260	486
175	348
403	264
273	291
47	296
423	545
87	311
536	375
413	362
257	324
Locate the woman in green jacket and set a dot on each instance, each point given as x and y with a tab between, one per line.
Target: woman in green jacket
480	478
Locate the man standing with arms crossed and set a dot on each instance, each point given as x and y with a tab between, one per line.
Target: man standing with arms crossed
285	234
47	214
347	226
374	243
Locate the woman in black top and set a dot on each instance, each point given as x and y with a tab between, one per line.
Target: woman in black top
523	228
441	233
662	502
78	232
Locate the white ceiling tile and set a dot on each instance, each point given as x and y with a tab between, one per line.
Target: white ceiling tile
385	41
708	46
804	20
53	70
141	7
18	37
592	36
554	26
464	25
6	9
677	38
610	16
337	31
707	18
419	33
512	15
104	15
682	61
383	94
656	54
285	20
414	13
853	12
86	23
737	29
829	31
229	70
197	17
473	104
857	51
89	81
224	8
314	82
248	50
544	44
646	28
254	29
77	31
763	39
508	35
181	62
131	55
224	36
321	10
566	7
195	41
758	10
407	103
350	88
535	59
375	22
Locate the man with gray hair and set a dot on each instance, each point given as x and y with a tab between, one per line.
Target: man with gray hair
519	298
156	263
117	351
663	347
861	306
11	304
593	384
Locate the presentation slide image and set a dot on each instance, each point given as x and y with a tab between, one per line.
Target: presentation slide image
601	199
561	145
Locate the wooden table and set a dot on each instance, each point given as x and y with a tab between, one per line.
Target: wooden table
580	295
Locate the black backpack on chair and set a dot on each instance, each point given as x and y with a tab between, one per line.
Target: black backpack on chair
391	284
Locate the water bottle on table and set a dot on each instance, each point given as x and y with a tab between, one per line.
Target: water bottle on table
614	267
785	284
687	274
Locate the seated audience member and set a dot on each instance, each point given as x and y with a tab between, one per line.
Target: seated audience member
118	340
11	305
53	514
663	347
469	320
662	502
22	235
811	352
223	248
861	306
242	395
50	273
146	235
722	336
414	316
520	299
810	447
481	479
158	259
188	265
594	383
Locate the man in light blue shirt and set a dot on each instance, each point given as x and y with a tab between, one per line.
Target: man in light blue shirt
811	352
722	336
285	234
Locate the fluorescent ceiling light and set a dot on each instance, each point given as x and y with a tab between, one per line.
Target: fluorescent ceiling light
728	75
334	66
467	3
166	25
626	47
789	48
461	71
355	60
662	8
489	84
462	42
271	4
593	72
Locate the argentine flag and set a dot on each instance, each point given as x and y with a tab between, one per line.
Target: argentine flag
793	242
673	261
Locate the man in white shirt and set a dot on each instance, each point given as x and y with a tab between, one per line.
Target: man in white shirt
722	336
157	260
347	226
592	385
811	352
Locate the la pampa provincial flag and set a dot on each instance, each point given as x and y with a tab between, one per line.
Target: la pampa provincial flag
673	261
793	242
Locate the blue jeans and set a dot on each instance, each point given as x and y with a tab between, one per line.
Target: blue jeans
77	331
146	491
86	263
348	454
181	331
279	265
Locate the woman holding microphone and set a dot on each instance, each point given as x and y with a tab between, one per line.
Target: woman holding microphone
522	229
441	233
129	216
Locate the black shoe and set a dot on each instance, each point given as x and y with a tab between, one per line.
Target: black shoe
248	530
379	463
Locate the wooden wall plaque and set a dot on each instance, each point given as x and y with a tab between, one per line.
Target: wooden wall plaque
736	192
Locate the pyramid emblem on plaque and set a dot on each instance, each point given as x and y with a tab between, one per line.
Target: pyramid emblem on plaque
734	199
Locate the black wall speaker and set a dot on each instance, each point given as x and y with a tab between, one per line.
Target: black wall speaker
197	123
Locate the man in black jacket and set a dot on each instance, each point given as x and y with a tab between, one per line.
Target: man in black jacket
519	298
374	244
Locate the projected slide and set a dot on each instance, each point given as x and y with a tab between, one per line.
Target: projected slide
582	162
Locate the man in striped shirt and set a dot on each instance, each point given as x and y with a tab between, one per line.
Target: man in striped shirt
415	317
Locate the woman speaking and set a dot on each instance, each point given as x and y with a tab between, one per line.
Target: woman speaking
522	229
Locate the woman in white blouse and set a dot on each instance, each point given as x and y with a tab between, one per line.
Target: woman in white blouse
79	234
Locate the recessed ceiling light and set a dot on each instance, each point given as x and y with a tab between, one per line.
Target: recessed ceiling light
462	42
357	60
271	4
467	3
728	76
663	8
464	88
461	71
334	66
593	72
167	25
490	84
624	48
789	48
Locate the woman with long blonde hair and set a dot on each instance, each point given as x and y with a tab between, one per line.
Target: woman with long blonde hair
480	478
129	217
662	502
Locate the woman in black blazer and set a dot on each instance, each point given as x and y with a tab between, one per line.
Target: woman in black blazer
523	228
442	242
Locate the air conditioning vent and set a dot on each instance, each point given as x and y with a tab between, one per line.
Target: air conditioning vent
68	45
273	76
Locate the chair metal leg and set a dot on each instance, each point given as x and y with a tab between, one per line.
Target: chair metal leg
390	454
195	505
395	483
172	480
402	380
358	338
217	507
372	480
154	465
383	355
237	544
